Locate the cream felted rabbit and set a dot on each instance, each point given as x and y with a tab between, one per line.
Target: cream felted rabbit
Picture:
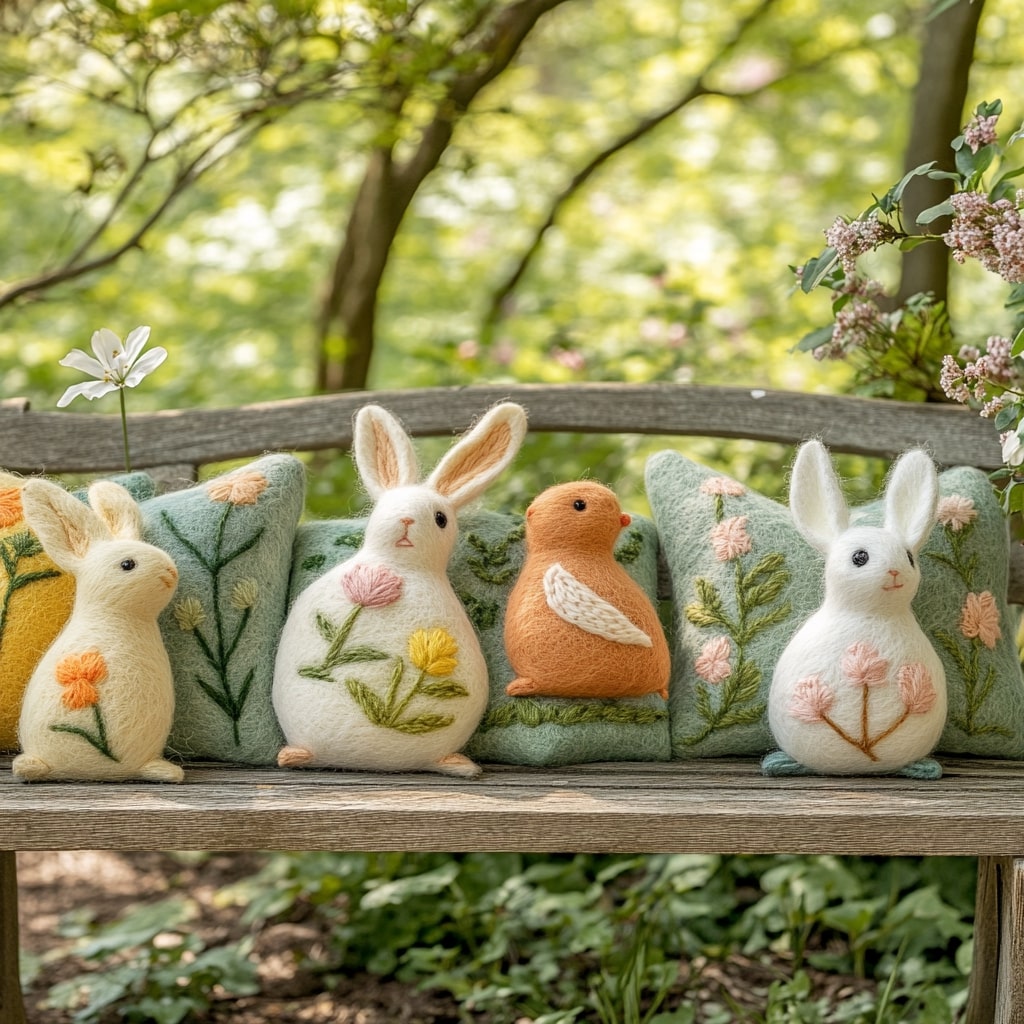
378	667
99	704
859	688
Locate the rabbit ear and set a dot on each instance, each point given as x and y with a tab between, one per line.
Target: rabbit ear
911	498
65	526
479	456
815	498
117	508
383	452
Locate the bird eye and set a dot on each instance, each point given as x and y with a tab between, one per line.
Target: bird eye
579	504
860	557
128	564
441	519
910	559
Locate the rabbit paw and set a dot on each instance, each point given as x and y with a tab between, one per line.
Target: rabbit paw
522	688
925	768
778	765
25	766
159	770
293	757
459	765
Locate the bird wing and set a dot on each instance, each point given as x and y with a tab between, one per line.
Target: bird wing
575	602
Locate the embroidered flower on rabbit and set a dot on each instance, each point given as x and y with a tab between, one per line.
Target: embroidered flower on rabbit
712	665
979	619
80	674
10	507
729	538
864	666
811	700
917	691
956	512
433	651
242	488
371	586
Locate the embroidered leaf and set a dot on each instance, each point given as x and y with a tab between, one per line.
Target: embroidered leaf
764	593
531	713
772	618
770	563
629	550
493	563
699	615
749	715
221	699
314	563
359	654
25	578
316	672
424	723
444	689
747	681
350	539
24	545
704	708
325	627
483	614
243	693
372	706
246	545
949	644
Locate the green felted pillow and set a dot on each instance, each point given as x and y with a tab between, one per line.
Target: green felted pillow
744	580
35	597
231	539
483	569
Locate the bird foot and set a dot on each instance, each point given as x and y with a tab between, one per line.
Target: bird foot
458	765
522	688
293	757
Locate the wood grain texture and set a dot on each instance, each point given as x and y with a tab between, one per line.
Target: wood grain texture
56	442
712	806
1009	1003
981	997
12	1009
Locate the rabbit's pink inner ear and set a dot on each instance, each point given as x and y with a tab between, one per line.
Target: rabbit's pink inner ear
475	460
116	507
383	452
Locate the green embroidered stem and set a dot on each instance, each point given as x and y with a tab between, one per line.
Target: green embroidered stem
336	655
957	560
97	740
976	692
532	713
15	548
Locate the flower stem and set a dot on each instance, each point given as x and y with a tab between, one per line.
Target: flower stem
124	433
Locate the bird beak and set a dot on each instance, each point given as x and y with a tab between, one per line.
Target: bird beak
624	519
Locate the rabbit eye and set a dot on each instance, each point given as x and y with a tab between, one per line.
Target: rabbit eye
860	557
579	504
128	564
441	519
910	559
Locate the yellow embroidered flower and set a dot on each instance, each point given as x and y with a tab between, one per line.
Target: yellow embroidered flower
245	594
80	674
242	488
433	651
189	614
10	506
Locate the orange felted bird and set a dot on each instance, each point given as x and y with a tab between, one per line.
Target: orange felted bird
577	625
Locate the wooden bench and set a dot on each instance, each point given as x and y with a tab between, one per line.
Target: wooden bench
723	806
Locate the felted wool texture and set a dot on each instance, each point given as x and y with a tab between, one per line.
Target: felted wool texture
231	538
577	625
483	568
35	597
99	704
744	580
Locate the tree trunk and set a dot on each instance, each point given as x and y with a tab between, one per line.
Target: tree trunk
938	114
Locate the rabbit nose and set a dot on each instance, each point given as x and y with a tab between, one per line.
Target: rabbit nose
408	522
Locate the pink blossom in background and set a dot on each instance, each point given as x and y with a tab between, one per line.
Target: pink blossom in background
811	701
372	586
712	665
980	131
717	485
864	666
729	538
956	511
917	690
979	619
857	237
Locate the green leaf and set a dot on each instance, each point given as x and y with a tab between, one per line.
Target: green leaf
817	268
219	697
973	165
316	672
770	563
427	722
325	627
747	681
395	892
360	654
742	715
764	593
1018	344
444	689
817	338
1007	416
372	706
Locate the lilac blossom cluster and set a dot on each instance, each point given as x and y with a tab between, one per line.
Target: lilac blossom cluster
859	322
992	233
851	239
980	131
988	377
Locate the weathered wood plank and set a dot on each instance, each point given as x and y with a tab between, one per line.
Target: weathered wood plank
12	1009
1009	1008
977	809
981	999
53	442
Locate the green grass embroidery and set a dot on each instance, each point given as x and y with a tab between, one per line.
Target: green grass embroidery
13	551
97	739
493	562
387	712
532	713
482	613
630	548
220	649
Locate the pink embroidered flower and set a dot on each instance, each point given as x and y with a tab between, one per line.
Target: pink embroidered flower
372	586
241	488
811	701
956	512
916	688
979	618
712	665
719	485
864	666
729	539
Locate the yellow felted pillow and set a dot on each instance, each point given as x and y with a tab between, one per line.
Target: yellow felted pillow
35	602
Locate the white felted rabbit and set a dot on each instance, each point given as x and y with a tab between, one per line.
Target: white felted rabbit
859	688
99	704
379	667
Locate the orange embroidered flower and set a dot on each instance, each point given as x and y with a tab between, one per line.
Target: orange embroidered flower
80	674
242	488
10	507
979	618
729	539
